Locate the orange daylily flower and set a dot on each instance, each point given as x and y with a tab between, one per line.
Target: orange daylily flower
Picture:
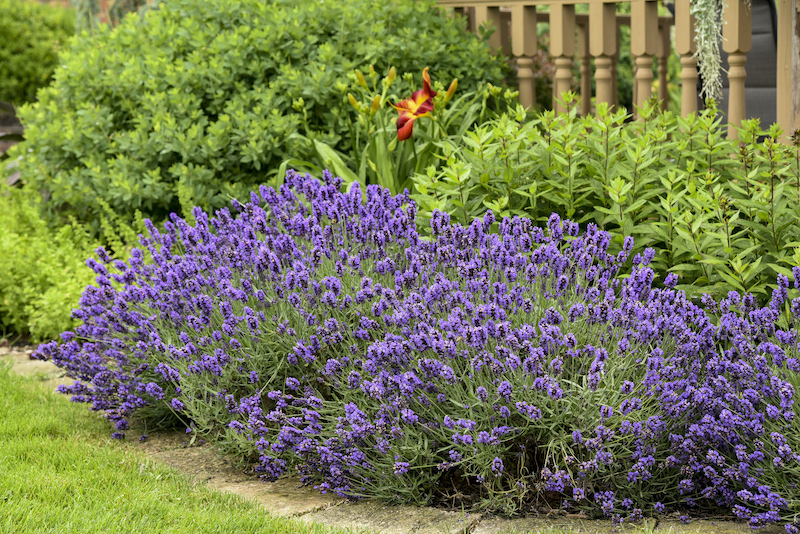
419	105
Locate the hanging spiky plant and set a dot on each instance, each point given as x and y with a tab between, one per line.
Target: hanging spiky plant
707	37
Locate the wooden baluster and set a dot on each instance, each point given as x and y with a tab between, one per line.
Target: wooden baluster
469	13
505	31
664	49
562	47
460	11
491	14
602	46
788	66
585	68
686	48
524	44
644	45
615	68
736	41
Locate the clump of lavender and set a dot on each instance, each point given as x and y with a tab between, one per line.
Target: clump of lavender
316	331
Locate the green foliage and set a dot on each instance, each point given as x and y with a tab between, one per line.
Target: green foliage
198	101
720	215
31	35
377	156
43	269
87	14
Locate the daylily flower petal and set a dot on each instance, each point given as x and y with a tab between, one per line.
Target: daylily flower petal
405	126
419	105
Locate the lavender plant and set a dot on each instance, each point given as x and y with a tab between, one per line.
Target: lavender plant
316	331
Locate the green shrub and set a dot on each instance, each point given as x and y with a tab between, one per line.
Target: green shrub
721	215
43	270
31	35
198	100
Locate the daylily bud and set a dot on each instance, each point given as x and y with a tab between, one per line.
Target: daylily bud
392	74
372	70
451	90
353	102
376	102
360	78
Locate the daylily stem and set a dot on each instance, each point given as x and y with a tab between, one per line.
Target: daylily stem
414	149
441	128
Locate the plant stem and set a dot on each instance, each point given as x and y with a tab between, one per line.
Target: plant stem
463	204
414	150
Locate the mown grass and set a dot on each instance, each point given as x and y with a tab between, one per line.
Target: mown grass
60	472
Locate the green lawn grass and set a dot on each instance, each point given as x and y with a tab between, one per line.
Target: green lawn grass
60	472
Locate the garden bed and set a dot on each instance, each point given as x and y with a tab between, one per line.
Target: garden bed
285	498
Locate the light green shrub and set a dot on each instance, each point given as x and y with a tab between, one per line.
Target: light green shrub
43	270
31	35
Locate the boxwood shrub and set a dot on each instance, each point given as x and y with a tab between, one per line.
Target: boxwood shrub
30	36
191	103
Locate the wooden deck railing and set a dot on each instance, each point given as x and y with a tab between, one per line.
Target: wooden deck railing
596	36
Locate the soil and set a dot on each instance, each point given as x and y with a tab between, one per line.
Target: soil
286	497
9	124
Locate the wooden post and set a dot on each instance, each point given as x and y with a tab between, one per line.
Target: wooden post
788	66
585	68
736	40
491	14
644	45
615	66
602	46
664	50
469	13
523	46
562	47
505	31
685	47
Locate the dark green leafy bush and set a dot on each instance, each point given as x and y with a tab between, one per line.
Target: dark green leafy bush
721	215
30	36
199	100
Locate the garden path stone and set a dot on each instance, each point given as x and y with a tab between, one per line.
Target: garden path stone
204	465
497	525
705	526
22	364
387	519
